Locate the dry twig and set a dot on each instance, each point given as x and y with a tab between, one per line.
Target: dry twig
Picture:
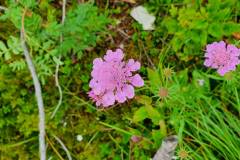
64	147
57	66
38	92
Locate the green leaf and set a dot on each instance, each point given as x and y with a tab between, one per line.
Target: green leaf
173	11
183	77
81	27
177	44
157	137
154	79
171	25
28	3
144	100
153	114
213	6
203	38
18	65
216	30
140	114
15	45
3	47
199	24
230	27
33	22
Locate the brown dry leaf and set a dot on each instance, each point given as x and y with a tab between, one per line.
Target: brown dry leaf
236	35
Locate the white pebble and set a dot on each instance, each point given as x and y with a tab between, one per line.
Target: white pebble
79	138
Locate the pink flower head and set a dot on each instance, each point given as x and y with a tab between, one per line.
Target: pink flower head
222	57
113	79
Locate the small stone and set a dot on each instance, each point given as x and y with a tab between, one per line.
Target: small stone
79	138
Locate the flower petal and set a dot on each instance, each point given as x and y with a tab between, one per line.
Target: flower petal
222	71
114	56
137	80
92	83
128	91
108	99
97	62
207	63
120	96
133	66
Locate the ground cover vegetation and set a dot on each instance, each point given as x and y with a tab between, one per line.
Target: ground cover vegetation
182	94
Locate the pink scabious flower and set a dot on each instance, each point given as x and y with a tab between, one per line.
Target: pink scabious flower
222	57
113	80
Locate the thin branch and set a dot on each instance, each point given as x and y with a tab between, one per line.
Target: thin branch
64	147
38	93
57	66
54	149
148	58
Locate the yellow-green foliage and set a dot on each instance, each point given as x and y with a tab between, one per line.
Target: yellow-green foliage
180	95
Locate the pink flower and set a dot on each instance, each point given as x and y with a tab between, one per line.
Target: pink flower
113	79
222	57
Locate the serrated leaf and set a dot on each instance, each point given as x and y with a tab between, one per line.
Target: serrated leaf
81	27
3	48
7	56
28	3
18	65
15	45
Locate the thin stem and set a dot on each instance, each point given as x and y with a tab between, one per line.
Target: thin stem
90	141
17	144
57	66
38	93
54	149
64	147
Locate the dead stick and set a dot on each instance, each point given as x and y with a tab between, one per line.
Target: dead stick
38	93
57	66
